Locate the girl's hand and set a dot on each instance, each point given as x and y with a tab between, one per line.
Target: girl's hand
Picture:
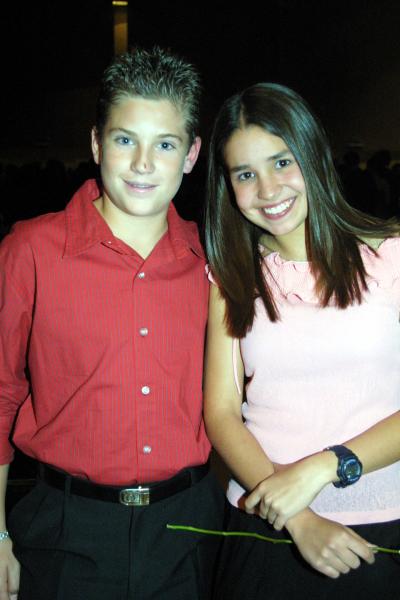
330	548
291	488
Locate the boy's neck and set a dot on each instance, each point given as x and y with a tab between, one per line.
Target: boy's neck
140	233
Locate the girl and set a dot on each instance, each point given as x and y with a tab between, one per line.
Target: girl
311	289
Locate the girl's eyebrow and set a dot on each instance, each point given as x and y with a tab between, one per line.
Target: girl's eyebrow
269	159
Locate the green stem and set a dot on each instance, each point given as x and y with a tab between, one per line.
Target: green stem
229	533
387	550
254	535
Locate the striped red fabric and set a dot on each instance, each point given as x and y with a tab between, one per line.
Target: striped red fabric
113	345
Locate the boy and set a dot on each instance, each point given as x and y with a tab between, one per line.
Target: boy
104	305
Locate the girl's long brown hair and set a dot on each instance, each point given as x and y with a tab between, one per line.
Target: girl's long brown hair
334	230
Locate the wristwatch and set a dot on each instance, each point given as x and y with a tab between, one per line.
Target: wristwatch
349	468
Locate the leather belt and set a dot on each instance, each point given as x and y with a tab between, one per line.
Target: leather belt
136	495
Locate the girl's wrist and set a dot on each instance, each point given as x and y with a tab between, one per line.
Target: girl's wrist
298	521
326	467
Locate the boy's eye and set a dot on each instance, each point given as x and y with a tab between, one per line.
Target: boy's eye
123	140
166	146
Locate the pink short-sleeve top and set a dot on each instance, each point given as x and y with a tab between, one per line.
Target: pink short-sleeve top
320	376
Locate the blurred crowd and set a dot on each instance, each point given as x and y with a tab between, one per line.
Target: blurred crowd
374	189
31	189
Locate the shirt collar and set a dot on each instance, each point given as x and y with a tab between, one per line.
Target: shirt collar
85	227
183	235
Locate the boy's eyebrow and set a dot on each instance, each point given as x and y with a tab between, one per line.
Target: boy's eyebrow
269	159
133	133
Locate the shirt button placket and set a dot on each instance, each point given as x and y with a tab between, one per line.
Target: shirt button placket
145	389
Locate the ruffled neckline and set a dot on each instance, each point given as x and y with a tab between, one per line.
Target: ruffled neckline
305	265
298	265
295	281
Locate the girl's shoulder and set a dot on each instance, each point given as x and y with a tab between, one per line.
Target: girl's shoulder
380	245
381	256
376	243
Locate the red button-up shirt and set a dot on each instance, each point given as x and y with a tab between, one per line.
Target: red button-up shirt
101	351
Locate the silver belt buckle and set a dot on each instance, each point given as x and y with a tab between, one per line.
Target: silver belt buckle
135	496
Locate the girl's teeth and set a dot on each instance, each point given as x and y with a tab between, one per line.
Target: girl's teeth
274	210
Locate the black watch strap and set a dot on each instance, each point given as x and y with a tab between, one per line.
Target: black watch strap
349	467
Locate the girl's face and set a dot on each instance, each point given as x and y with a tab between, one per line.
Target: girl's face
269	187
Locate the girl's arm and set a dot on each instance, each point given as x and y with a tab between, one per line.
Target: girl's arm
294	487
327	546
223	403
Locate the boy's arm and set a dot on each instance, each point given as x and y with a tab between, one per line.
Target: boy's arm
9	566
17	293
17	288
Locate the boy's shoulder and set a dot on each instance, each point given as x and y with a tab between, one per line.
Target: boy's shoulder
36	230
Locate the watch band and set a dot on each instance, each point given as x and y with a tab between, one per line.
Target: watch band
349	467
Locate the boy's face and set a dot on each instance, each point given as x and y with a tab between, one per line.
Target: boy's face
143	153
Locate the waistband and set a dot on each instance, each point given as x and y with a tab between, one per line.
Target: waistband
136	495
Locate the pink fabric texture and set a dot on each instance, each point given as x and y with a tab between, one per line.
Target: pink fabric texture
320	376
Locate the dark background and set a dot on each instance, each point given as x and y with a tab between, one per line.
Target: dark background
341	55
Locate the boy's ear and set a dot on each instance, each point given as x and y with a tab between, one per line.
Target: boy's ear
96	146
192	155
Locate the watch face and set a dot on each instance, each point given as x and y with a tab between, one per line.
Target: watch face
352	470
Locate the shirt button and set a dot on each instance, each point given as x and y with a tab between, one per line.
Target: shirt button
145	390
146	449
143	331
141	275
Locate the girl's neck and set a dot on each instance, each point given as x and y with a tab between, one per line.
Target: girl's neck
291	247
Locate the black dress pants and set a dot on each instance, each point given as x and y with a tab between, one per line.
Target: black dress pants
74	548
259	570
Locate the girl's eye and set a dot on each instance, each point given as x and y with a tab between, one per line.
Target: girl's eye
283	162
245	176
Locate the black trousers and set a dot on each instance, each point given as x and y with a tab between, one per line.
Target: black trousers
258	570
74	548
